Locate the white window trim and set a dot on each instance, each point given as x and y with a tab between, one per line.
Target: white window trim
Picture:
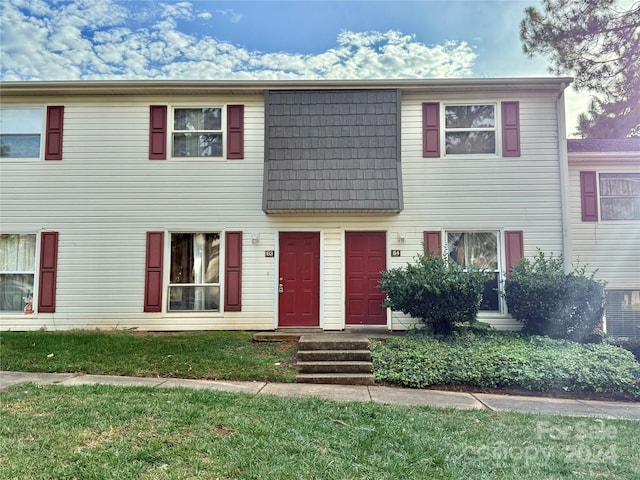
501	267
36	276
497	129
170	131
43	126
167	275
599	199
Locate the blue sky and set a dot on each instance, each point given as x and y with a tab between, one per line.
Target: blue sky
208	39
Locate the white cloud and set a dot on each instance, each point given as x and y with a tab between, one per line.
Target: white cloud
233	16
91	39
102	39
177	10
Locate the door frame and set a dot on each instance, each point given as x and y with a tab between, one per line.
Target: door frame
276	275
388	259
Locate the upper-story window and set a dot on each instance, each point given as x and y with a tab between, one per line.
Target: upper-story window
197	132
470	129
20	132
620	196
488	129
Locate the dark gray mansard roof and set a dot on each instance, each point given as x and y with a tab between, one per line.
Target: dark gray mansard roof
332	151
603	145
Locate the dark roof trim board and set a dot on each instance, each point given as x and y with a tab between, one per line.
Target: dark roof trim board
603	145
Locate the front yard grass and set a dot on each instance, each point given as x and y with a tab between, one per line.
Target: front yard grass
208	355
107	432
464	359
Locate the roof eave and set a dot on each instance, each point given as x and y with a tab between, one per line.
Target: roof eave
141	87
610	158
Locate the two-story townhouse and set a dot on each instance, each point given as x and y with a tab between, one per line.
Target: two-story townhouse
174	205
605	224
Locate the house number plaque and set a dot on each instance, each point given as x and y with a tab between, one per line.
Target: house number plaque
395	253
269	253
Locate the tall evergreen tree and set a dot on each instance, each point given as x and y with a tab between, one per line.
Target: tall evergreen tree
599	43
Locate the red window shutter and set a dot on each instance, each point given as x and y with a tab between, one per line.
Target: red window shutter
233	272
235	132
433	244
53	137
157	132
514	248
510	129
589	196
48	272
153	272
430	130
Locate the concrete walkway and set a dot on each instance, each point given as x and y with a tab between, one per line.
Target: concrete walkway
356	393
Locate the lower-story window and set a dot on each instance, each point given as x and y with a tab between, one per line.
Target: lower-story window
480	251
17	272
623	313
194	281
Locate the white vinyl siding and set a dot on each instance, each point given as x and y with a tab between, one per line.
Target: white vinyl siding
611	248
106	194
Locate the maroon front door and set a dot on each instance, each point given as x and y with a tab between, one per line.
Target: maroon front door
366	258
299	279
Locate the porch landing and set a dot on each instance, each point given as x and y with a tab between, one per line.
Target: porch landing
294	334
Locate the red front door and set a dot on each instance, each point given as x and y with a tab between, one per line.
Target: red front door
366	258
299	279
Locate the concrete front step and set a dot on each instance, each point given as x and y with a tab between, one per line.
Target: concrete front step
336	378
333	342
334	356
339	359
335	367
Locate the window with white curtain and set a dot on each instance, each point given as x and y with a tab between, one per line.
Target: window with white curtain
194	281
17	271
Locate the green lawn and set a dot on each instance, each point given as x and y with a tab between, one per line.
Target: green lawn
106	432
211	355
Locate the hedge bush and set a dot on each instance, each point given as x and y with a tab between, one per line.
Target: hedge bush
440	293
506	359
633	345
550	302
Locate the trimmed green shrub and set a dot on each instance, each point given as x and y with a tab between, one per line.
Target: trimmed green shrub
550	302
440	293
506	359
633	345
